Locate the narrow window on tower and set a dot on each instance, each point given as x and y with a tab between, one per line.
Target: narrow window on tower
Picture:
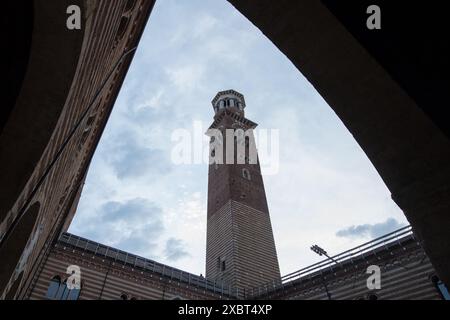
223	266
90	120
246	174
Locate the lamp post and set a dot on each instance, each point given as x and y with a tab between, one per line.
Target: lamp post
321	252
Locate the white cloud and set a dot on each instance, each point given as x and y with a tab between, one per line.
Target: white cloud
370	230
175	250
186	78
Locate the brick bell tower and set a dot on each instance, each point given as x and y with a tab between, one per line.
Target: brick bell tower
240	248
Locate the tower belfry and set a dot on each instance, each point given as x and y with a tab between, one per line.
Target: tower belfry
240	247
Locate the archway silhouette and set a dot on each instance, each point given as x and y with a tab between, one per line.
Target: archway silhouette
392	105
24	123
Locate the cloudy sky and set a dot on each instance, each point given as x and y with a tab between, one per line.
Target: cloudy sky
326	191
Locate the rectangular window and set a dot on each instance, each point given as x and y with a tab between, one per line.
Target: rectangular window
223	265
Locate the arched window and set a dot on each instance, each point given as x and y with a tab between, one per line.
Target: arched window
246	174
129	5
90	120
53	287
84	137
123	24
58	290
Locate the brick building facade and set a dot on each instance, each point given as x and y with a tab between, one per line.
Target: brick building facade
112	274
53	118
241	260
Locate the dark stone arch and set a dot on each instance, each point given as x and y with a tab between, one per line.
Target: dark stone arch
17	27
33	114
389	89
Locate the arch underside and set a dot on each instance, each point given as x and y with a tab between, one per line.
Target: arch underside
389	90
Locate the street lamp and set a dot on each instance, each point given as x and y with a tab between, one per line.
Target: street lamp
321	252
